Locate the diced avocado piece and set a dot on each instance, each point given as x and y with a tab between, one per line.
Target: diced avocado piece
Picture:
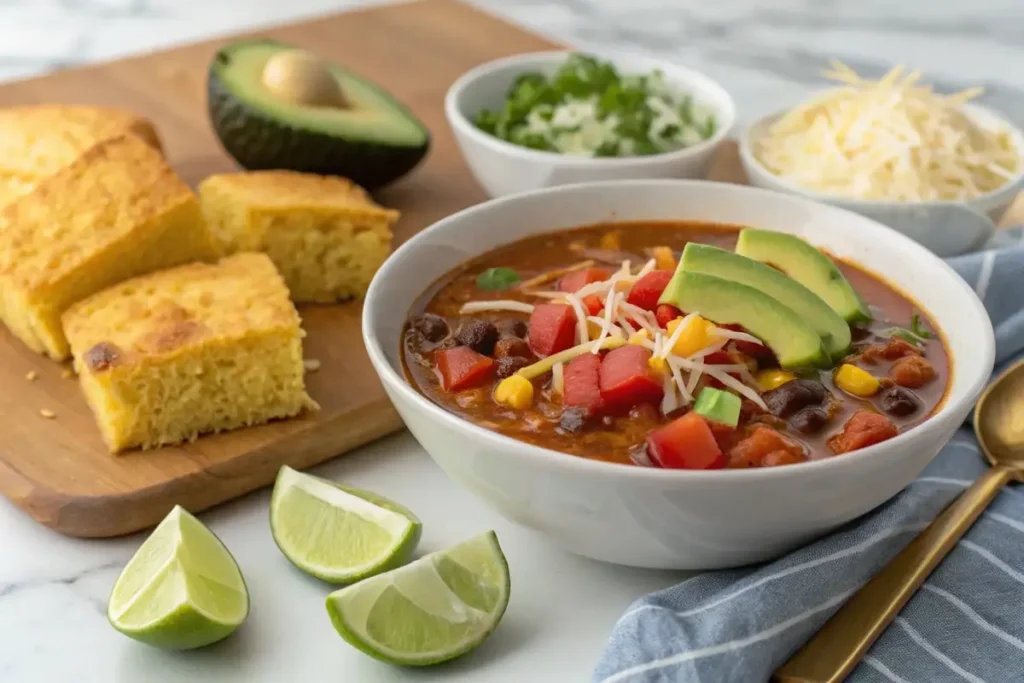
293	116
718	406
833	330
794	342
808	266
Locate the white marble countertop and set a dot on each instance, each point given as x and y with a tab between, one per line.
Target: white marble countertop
53	589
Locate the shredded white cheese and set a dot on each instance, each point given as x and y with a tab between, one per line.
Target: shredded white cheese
497	305
558	379
738	336
890	139
581	317
734	384
671	343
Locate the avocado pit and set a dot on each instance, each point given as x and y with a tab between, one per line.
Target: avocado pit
300	77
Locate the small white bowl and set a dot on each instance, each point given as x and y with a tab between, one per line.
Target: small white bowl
503	168
947	228
675	519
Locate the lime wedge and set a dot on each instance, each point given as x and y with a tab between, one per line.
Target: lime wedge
182	589
432	610
338	534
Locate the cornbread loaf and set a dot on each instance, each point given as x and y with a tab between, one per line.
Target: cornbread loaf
198	348
115	212
324	233
38	141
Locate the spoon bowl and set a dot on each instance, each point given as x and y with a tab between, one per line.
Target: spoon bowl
999	420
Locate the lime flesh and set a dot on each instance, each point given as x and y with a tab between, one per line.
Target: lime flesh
182	589
338	534
430	611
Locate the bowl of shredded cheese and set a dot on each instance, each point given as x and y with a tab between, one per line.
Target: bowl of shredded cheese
935	167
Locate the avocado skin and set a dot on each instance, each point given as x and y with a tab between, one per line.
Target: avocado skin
257	141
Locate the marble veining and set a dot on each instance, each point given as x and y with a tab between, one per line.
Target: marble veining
53	590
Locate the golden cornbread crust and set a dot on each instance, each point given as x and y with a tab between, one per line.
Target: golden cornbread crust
115	212
189	350
37	141
324	233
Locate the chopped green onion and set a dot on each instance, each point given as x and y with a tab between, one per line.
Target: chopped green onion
918	328
588	108
917	334
497	279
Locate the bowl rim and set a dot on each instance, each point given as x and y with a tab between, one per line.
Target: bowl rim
458	120
546	457
1010	187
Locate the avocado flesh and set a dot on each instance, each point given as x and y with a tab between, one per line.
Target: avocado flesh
808	266
374	141
833	330
791	339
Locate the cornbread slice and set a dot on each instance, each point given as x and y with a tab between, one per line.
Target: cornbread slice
198	348
38	141
324	233
116	212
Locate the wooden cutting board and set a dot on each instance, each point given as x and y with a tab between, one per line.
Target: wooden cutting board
58	470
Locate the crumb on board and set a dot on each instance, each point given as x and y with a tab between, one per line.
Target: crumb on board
31	375
68	373
47	413
311	364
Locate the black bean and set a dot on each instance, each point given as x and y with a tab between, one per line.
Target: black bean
899	401
479	335
809	420
573	419
794	396
512	346
513	328
432	327
510	365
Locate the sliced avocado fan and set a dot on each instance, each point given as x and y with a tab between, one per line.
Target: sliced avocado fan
833	330
276	107
791	339
808	266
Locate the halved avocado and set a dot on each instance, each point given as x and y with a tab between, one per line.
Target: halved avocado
366	136
808	266
833	330
794	342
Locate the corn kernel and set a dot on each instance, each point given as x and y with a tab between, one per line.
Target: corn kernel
699	334
658	365
773	379
639	338
856	381
611	240
664	259
515	391
593	329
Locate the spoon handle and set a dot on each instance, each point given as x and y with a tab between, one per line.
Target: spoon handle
838	647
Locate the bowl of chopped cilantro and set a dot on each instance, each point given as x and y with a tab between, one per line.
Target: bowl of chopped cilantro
553	118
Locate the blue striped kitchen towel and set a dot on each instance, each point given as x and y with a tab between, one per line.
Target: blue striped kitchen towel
966	624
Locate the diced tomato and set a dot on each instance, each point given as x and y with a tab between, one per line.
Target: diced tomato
912	372
577	279
647	290
666	313
461	367
627	380
686	443
581	383
892	349
863	429
763	447
552	328
593	304
752	349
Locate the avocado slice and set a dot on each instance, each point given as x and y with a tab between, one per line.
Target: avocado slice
718	406
833	330
369	138
808	266
794	342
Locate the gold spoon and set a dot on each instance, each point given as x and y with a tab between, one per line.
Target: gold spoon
831	655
